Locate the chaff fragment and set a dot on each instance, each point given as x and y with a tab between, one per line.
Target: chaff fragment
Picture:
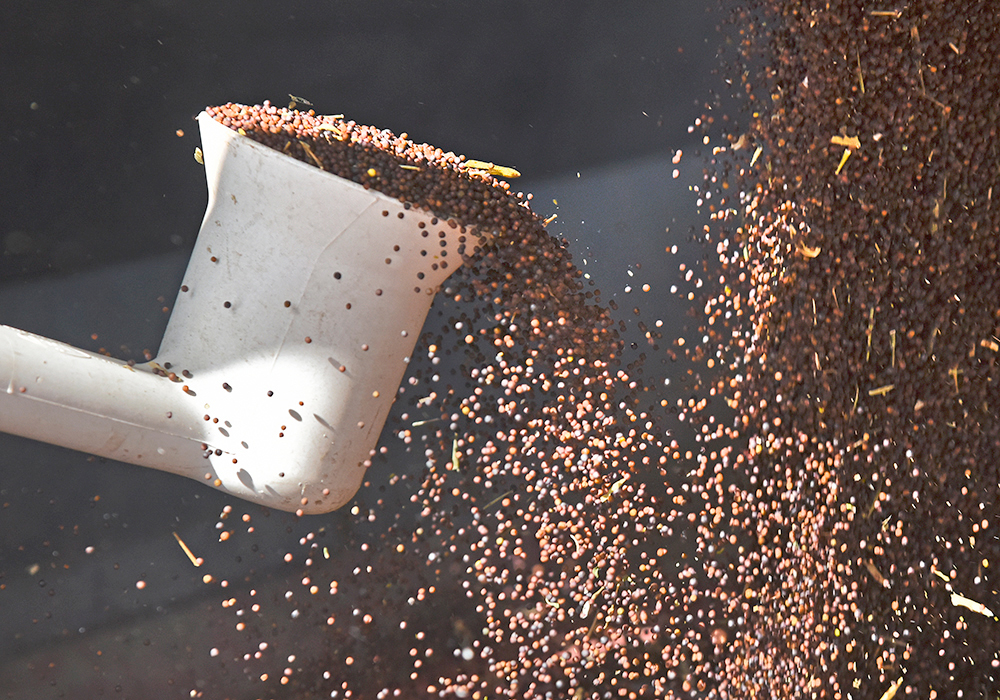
309	152
891	692
843	160
876	574
334	130
615	487
190	555
974	605
954	372
493	169
808	252
871	327
851	142
294	101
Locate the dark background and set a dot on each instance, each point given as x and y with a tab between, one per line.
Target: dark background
101	202
93	94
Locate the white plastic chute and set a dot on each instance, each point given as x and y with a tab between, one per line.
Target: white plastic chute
303	299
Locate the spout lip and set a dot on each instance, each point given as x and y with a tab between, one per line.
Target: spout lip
218	142
404	171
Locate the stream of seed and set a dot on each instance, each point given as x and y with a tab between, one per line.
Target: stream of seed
831	530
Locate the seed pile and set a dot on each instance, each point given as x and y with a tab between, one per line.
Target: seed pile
831	533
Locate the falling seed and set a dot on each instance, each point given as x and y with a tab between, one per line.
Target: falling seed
782	505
